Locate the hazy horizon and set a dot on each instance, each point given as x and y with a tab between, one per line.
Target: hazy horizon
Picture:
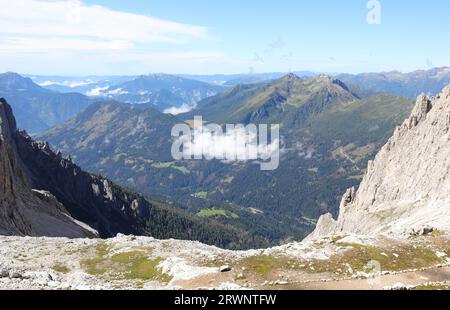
27	74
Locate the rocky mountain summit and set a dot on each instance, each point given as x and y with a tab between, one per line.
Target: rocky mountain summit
407	186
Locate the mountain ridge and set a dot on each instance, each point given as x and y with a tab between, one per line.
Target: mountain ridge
161	91
256	102
37	108
44	194
409	84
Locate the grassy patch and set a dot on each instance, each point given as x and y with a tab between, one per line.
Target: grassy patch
437	233
134	265
261	264
433	287
94	266
335	239
61	268
103	249
172	165
182	169
393	259
362	152
229	180
356	177
80	250
201	195
98	264
264	265
217	213
256	211
139	266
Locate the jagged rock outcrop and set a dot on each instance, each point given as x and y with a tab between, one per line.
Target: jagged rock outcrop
22	210
407	186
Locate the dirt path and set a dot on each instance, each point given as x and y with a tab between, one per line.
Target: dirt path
415	278
410	278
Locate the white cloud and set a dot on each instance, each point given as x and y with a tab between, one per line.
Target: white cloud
71	84
96	92
237	144
24	44
48	83
105	92
116	92
68	37
178	110
73	19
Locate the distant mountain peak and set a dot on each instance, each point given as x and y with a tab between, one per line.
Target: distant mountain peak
15	80
411	84
11	74
328	82
291	77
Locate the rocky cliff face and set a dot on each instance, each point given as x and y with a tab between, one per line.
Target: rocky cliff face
41	192
24	211
407	186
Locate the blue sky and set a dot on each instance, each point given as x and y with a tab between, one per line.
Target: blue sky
67	37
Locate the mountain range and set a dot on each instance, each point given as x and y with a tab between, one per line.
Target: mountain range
44	194
329	132
57	99
391	234
409	85
161	91
38	108
87	85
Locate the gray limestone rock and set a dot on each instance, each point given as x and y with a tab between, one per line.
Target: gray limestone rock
408	184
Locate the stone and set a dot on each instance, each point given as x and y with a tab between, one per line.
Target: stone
15	275
54	284
225	268
400	287
281	282
408	183
4	273
422	231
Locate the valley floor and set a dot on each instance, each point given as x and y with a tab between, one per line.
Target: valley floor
129	262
